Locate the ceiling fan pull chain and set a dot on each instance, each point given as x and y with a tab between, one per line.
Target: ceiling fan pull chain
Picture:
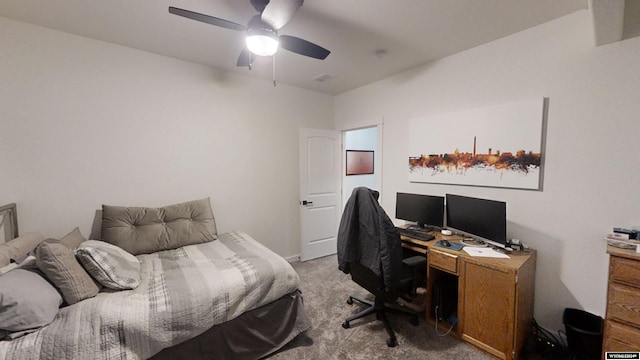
274	69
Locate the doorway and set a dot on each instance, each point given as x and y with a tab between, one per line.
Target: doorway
363	139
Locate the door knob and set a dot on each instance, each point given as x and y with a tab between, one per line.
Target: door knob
306	203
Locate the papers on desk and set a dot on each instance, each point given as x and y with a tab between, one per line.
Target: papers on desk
484	252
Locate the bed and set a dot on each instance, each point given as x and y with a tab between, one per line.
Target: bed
230	297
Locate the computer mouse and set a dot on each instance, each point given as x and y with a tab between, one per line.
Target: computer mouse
445	243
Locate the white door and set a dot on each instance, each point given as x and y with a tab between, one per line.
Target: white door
320	200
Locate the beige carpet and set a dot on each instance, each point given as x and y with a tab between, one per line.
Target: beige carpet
326	290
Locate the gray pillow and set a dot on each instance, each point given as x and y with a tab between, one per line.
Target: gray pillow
60	266
143	230
110	265
28	263
17	249
73	239
27	301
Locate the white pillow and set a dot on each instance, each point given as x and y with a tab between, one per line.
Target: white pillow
110	265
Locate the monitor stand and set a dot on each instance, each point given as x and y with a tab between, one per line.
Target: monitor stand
422	227
474	242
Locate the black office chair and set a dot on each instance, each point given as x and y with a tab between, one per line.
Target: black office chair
369	248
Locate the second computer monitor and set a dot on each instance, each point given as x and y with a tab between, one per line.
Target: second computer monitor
424	210
482	219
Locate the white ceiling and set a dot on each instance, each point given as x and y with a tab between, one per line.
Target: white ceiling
411	32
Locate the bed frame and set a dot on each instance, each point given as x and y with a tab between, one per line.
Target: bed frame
253	335
8	222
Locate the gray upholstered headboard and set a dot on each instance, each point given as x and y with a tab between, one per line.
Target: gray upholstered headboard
96	226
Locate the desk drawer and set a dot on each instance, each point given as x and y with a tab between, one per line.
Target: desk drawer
443	261
624	270
624	303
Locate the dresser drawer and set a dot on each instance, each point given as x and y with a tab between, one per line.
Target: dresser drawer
443	261
624	304
624	270
620	337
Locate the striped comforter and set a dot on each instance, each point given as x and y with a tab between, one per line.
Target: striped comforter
182	293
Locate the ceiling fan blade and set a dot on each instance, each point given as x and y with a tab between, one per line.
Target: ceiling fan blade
245	58
303	47
278	12
207	19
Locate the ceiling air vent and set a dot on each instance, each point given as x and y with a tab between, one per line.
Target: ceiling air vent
322	77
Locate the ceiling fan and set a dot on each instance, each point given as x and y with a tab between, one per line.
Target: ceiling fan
262	30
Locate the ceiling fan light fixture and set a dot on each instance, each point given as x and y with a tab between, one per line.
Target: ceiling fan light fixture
262	42
262	35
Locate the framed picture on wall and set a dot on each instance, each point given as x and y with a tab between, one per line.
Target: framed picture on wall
359	162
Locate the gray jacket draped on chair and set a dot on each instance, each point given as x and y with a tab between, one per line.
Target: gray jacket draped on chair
367	235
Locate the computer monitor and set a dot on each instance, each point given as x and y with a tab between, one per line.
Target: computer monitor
481	219
422	209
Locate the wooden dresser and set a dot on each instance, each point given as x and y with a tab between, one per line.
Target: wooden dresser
622	323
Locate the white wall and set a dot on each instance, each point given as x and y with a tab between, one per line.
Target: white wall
85	123
591	149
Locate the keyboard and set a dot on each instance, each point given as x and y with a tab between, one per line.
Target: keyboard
420	235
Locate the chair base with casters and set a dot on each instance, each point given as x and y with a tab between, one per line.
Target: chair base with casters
379	308
382	305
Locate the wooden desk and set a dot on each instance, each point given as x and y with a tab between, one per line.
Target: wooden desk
494	296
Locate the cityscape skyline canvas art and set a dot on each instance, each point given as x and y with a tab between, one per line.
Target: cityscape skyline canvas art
495	146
